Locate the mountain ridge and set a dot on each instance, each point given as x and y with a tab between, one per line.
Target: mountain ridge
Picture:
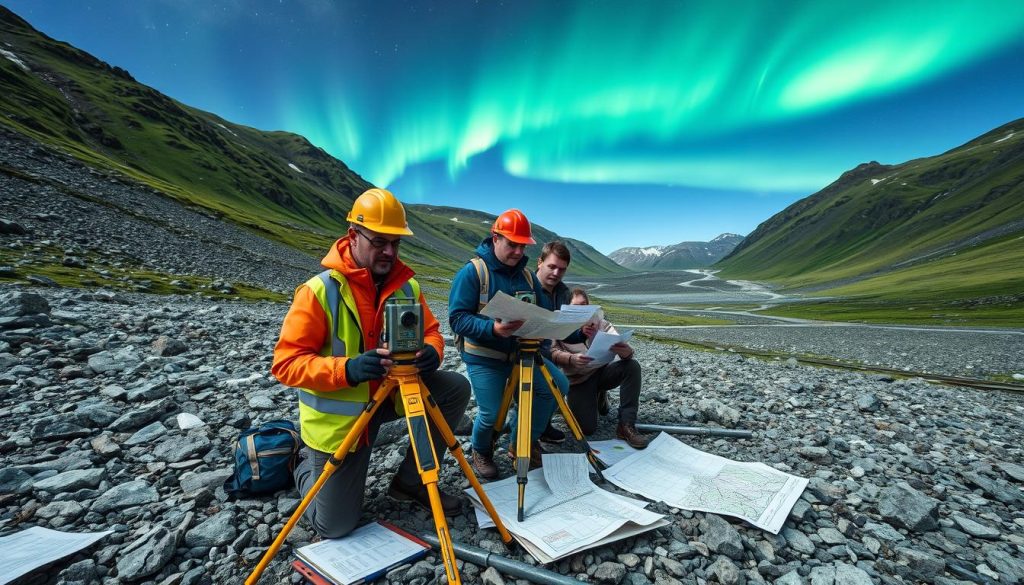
677	256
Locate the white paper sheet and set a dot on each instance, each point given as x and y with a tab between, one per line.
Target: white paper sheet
573	516
367	550
25	551
592	313
539	323
671	471
611	451
600	347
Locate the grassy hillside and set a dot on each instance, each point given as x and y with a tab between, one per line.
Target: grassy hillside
948	227
275	183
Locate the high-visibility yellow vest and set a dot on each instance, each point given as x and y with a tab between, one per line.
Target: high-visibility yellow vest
327	417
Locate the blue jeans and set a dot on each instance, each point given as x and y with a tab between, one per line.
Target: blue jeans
489	387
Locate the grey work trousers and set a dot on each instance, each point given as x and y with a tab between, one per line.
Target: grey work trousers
582	397
336	508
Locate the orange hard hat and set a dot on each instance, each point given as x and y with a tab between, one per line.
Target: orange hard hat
513	225
380	211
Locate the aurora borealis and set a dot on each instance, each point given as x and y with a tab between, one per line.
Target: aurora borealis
722	112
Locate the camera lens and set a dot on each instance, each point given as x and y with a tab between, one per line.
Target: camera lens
408	319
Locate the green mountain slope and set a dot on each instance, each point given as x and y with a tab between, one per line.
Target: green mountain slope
275	183
944	227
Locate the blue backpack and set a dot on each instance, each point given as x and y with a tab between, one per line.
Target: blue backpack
264	459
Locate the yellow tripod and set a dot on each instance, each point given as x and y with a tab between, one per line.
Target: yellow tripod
404	378
522	378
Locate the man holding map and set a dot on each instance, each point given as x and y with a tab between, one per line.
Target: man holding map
590	381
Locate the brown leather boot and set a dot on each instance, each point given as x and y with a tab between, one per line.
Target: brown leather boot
484	466
535	455
628	433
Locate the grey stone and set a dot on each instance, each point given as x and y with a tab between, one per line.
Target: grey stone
146	555
839	574
831	536
720	536
1010	567
883	532
1013	470
868	403
816	454
923	566
147	434
719	412
106	361
609	572
975	529
167	346
125	495
13	480
905	507
17	304
216	530
70	481
726	572
792	578
181	448
491	576
798	541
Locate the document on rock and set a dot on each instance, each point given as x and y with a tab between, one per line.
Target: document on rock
671	471
565	511
26	551
538	322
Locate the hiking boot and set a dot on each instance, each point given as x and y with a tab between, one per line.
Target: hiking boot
552	435
602	403
628	433
483	465
417	493
535	455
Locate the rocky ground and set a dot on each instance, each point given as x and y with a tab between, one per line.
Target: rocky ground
948	351
909	482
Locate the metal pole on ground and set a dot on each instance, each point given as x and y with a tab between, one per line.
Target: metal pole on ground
483	558
700	431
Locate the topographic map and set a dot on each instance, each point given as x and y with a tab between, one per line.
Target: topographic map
681	476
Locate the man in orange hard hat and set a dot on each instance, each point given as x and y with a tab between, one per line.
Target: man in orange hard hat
330	351
487	345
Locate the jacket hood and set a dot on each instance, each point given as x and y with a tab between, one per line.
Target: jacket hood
486	251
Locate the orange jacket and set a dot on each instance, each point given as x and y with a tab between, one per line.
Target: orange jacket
297	359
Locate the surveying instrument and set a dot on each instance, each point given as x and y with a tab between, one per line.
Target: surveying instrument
521	379
403	332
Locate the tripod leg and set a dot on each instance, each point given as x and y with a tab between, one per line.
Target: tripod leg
329	468
524	432
427	463
442	427
506	404
570	418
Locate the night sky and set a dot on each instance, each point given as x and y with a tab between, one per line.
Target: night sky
618	123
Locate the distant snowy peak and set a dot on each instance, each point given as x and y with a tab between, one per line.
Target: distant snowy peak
677	256
726	236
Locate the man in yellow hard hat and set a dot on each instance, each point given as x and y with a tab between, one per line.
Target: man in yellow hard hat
330	351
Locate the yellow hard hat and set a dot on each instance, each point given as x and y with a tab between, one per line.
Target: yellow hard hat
380	211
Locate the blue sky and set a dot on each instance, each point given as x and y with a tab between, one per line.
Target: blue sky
621	124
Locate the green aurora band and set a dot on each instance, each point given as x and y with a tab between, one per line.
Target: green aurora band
564	91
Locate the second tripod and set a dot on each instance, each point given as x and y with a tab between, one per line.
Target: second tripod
521	380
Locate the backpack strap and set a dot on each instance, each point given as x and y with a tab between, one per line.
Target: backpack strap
483	274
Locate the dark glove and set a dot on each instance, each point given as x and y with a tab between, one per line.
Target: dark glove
428	360
364	367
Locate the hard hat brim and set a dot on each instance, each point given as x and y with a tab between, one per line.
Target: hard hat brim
518	239
390	230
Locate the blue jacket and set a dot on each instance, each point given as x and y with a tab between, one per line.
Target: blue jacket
464	302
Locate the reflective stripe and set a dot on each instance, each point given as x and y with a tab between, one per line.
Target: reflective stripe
331	406
407	289
333	302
